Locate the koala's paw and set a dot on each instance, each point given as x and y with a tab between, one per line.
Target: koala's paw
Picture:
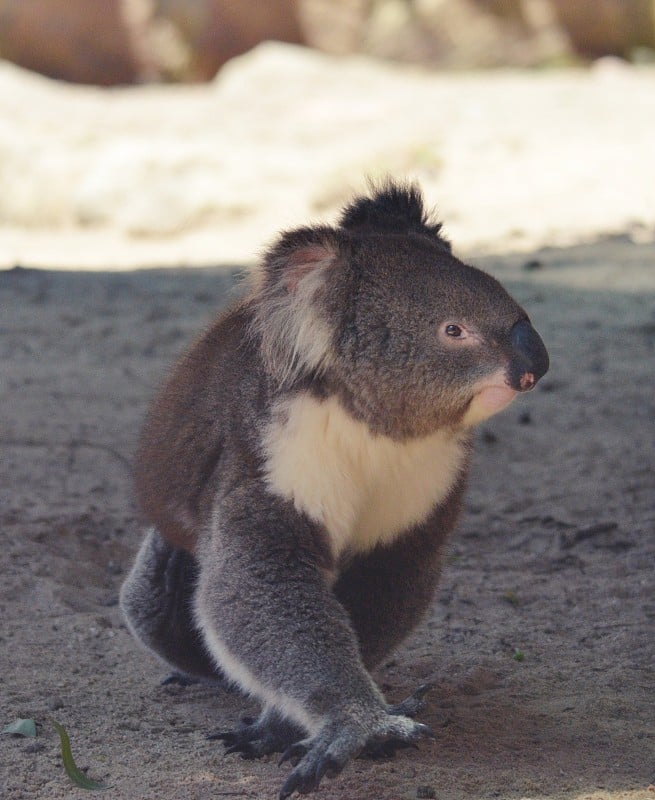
254	738
329	751
176	678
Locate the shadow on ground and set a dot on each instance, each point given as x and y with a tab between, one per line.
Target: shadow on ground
540	643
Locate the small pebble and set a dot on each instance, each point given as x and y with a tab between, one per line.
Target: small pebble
128	725
55	703
34	747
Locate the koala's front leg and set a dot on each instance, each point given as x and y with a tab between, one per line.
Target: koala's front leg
274	626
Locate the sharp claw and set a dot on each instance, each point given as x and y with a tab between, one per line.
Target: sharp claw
425	730
234	748
323	766
296	751
414	704
387	749
178	679
312	760
289	786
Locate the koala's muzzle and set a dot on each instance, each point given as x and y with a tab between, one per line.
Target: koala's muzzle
530	360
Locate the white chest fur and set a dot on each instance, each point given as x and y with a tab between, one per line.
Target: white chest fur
364	489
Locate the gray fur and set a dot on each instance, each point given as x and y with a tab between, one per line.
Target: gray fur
253	572
156	599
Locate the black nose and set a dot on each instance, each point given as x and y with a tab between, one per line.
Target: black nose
529	356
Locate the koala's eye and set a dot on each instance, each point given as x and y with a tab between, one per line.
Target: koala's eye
451	332
454	331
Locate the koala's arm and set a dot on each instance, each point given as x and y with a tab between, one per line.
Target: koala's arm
387	591
273	624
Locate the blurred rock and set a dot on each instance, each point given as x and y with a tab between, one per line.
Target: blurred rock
110	42
607	27
439	33
195	174
215	31
482	33
85	41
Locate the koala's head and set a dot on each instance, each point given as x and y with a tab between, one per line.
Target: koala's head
379	311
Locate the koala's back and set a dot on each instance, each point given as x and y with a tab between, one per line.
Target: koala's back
191	433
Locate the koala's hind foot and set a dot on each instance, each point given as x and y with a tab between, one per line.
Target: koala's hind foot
412	705
157	600
269	733
337	742
176	678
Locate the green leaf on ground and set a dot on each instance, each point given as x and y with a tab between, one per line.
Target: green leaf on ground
512	599
72	770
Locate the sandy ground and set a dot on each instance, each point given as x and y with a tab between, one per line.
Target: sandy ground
553	557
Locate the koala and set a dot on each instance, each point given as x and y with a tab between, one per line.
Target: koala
303	467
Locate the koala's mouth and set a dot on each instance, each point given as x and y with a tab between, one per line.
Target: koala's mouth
498	392
495	398
489	398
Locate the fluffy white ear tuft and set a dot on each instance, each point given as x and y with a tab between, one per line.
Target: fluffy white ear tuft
291	318
305	261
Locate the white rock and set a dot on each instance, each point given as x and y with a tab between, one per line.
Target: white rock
208	174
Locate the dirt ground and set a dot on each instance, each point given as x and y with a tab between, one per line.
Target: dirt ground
553	557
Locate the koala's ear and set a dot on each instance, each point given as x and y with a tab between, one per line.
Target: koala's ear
290	318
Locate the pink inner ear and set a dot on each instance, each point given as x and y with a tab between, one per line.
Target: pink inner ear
305	260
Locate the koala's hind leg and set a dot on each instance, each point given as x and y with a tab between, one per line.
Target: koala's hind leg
157	600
